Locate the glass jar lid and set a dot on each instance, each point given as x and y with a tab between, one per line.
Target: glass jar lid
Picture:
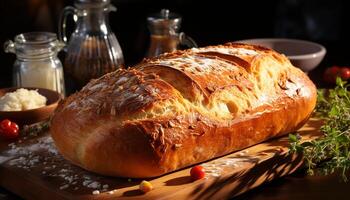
34	45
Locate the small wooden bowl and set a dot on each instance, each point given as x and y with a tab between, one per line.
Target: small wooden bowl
34	115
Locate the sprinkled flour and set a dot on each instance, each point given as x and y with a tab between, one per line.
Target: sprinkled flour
41	156
216	167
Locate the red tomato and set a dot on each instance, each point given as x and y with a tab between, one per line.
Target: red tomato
197	172
345	73
10	134
330	75
5	124
14	125
8	129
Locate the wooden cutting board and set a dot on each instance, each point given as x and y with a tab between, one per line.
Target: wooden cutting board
33	169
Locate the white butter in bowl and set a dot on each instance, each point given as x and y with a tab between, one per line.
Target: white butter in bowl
22	99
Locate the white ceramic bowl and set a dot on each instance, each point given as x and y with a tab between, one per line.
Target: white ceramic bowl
303	54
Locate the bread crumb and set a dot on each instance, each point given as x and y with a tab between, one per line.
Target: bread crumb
145	186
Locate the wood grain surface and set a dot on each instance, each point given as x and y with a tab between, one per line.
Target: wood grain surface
32	169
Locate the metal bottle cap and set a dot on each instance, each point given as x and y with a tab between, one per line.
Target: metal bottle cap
164	19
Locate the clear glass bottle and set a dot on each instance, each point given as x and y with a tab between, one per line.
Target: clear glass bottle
165	37
37	64
93	49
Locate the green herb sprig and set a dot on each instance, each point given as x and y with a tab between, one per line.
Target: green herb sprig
331	152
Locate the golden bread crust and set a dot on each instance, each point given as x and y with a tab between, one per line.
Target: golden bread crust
182	108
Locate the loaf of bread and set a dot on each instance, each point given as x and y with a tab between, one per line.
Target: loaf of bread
182	108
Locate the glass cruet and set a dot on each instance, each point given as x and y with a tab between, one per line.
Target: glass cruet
165	36
93	49
37	64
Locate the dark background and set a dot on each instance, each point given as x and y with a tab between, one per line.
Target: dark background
208	22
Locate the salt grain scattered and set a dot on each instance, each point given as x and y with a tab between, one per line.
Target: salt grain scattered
241	154
96	192
30	157
215	174
86	183
64	187
215	168
235	165
94	185
211	170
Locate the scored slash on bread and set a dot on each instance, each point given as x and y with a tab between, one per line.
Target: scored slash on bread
182	108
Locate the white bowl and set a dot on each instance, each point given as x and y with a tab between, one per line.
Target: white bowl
303	54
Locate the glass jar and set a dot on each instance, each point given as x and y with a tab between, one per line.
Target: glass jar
165	37
93	49
37	64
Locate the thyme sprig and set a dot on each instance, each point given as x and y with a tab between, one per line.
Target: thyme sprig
331	152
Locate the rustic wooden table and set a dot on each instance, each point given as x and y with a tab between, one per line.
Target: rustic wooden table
296	186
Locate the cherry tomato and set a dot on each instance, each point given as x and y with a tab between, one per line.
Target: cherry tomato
345	73
330	75
5	124
14	125
8	129
197	172
10	133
